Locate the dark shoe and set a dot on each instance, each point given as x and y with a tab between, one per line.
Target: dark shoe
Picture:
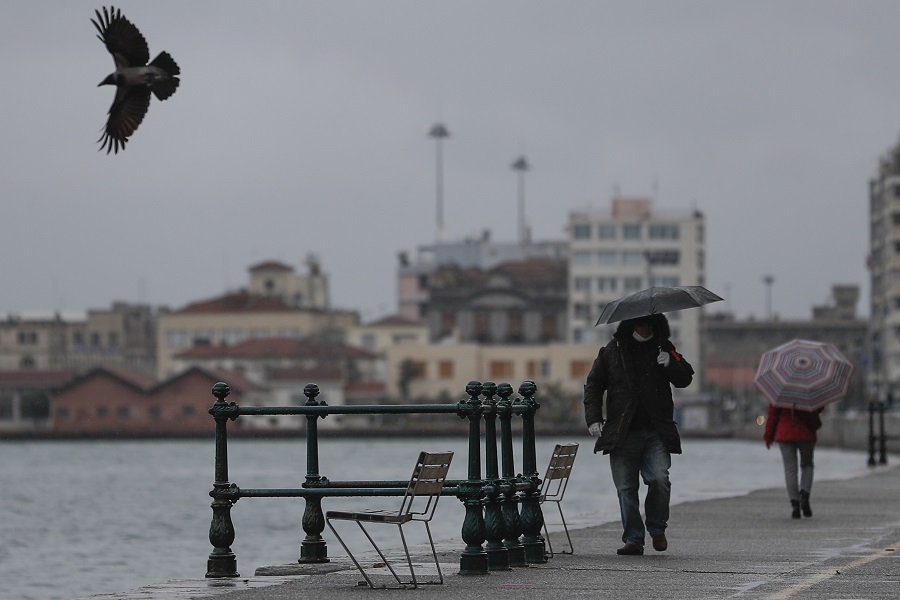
660	543
630	549
804	504
795	509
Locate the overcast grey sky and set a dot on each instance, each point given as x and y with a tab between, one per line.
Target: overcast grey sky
302	127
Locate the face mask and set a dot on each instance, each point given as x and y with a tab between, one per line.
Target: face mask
638	337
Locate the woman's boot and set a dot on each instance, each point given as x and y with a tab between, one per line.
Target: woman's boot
804	503
795	509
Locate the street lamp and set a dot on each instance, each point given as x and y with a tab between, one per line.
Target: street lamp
768	280
520	165
439	132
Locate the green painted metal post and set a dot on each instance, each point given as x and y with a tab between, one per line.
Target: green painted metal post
313	549
473	560
532	516
512	525
222	561
498	555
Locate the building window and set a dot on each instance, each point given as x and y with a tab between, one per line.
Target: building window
113	339
102	411
537	369
661	231
631	284
481	326
176	338
580	258
664	281
368	341
582	284
500	369
418	368
122	412
516	327
259	333
203	337
548	327
581	231
95	340
632	257
664	257
188	410
607	257
27	338
631	232
578	369
232	336
581	310
289	333
62	412
445	369
78	338
606	231
448	322
155	412
607	284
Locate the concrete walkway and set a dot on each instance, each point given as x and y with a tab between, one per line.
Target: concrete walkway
743	547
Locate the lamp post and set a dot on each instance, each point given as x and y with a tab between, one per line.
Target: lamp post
439	132
768	280
521	166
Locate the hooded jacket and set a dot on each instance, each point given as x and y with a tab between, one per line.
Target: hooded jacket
629	387
790	425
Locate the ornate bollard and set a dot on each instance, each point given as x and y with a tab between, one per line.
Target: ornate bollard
222	561
497	553
532	516
512	525
473	560
313	549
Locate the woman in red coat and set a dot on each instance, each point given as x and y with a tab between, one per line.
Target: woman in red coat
795	432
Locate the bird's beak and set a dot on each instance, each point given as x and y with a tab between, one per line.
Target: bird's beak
107	81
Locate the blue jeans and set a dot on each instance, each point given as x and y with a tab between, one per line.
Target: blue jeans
644	453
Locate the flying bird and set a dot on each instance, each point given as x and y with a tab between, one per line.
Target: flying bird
134	78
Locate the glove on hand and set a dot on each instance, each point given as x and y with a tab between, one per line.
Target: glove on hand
594	429
663	359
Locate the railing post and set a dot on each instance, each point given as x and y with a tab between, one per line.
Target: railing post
222	561
882	444
473	560
313	549
512	526
871	461
532	516
498	555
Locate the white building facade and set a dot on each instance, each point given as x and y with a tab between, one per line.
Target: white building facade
628	248
884	273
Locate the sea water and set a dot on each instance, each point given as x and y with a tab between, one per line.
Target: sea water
88	517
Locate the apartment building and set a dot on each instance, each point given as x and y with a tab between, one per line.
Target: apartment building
884	274
123	335
625	249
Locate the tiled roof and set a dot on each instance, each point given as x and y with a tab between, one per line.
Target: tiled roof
394	321
240	301
274	347
270	265
309	375
36	377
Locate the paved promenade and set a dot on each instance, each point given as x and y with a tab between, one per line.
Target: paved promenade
744	547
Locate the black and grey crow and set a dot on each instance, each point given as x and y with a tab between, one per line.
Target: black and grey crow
134	78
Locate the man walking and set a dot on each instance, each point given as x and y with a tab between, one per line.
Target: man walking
635	371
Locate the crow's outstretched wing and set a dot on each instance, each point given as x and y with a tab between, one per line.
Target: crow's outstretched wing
123	40
126	113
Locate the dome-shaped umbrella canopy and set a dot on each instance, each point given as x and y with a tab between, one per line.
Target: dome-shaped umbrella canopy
804	374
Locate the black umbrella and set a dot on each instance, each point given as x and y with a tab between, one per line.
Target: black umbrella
656	300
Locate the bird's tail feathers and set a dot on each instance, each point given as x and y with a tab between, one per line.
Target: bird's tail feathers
164	88
166	63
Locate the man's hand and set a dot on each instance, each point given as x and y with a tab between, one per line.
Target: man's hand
594	429
663	358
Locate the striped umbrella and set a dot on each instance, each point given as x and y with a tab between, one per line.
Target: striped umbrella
803	374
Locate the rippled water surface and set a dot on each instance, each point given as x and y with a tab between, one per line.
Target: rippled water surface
92	517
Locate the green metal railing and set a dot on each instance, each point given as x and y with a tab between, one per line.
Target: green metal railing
492	503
